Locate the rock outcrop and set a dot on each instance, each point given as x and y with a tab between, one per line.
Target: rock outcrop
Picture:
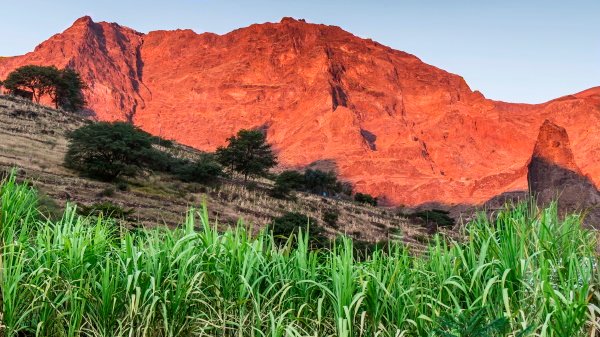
394	126
554	175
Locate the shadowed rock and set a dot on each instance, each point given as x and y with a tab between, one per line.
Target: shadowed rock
554	175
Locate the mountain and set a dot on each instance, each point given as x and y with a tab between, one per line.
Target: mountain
391	124
554	175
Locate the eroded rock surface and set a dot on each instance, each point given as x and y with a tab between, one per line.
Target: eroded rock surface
394	126
554	175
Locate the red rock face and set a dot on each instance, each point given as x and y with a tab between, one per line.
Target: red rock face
553	146
553	175
394	126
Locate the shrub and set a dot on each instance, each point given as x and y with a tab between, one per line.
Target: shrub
122	186
436	216
313	181
160	161
107	192
290	224
247	153
364	198
108	150
330	217
287	181
205	170
319	182
105	209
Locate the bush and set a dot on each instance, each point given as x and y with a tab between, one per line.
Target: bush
364	198
107	192
291	223
330	217
205	170
122	186
322	183
160	161
105	209
106	151
436	216
287	181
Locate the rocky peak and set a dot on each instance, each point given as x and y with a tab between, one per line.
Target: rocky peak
83	21
392	125
554	176
288	19
554	147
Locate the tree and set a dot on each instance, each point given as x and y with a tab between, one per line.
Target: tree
64	87
287	181
69	91
204	170
247	153
319	182
39	80
108	150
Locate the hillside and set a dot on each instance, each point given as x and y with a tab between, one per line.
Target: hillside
32	138
394	126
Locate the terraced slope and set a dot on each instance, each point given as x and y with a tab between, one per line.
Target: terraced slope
32	137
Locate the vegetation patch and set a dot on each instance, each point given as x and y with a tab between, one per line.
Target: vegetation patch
106	209
64	86
436	217
527	272
291	227
364	198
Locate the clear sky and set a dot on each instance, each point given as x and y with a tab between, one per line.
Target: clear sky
520	51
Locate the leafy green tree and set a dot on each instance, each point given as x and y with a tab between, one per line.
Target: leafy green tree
204	170
39	80
247	153
64	87
287	181
108	150
69	91
319	182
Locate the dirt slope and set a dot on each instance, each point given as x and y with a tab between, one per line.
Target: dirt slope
32	138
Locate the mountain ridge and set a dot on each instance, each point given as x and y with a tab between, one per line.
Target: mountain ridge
395	127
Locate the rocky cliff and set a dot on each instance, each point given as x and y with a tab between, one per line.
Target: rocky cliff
394	126
553	175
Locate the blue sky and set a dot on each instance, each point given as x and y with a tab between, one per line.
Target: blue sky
520	51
